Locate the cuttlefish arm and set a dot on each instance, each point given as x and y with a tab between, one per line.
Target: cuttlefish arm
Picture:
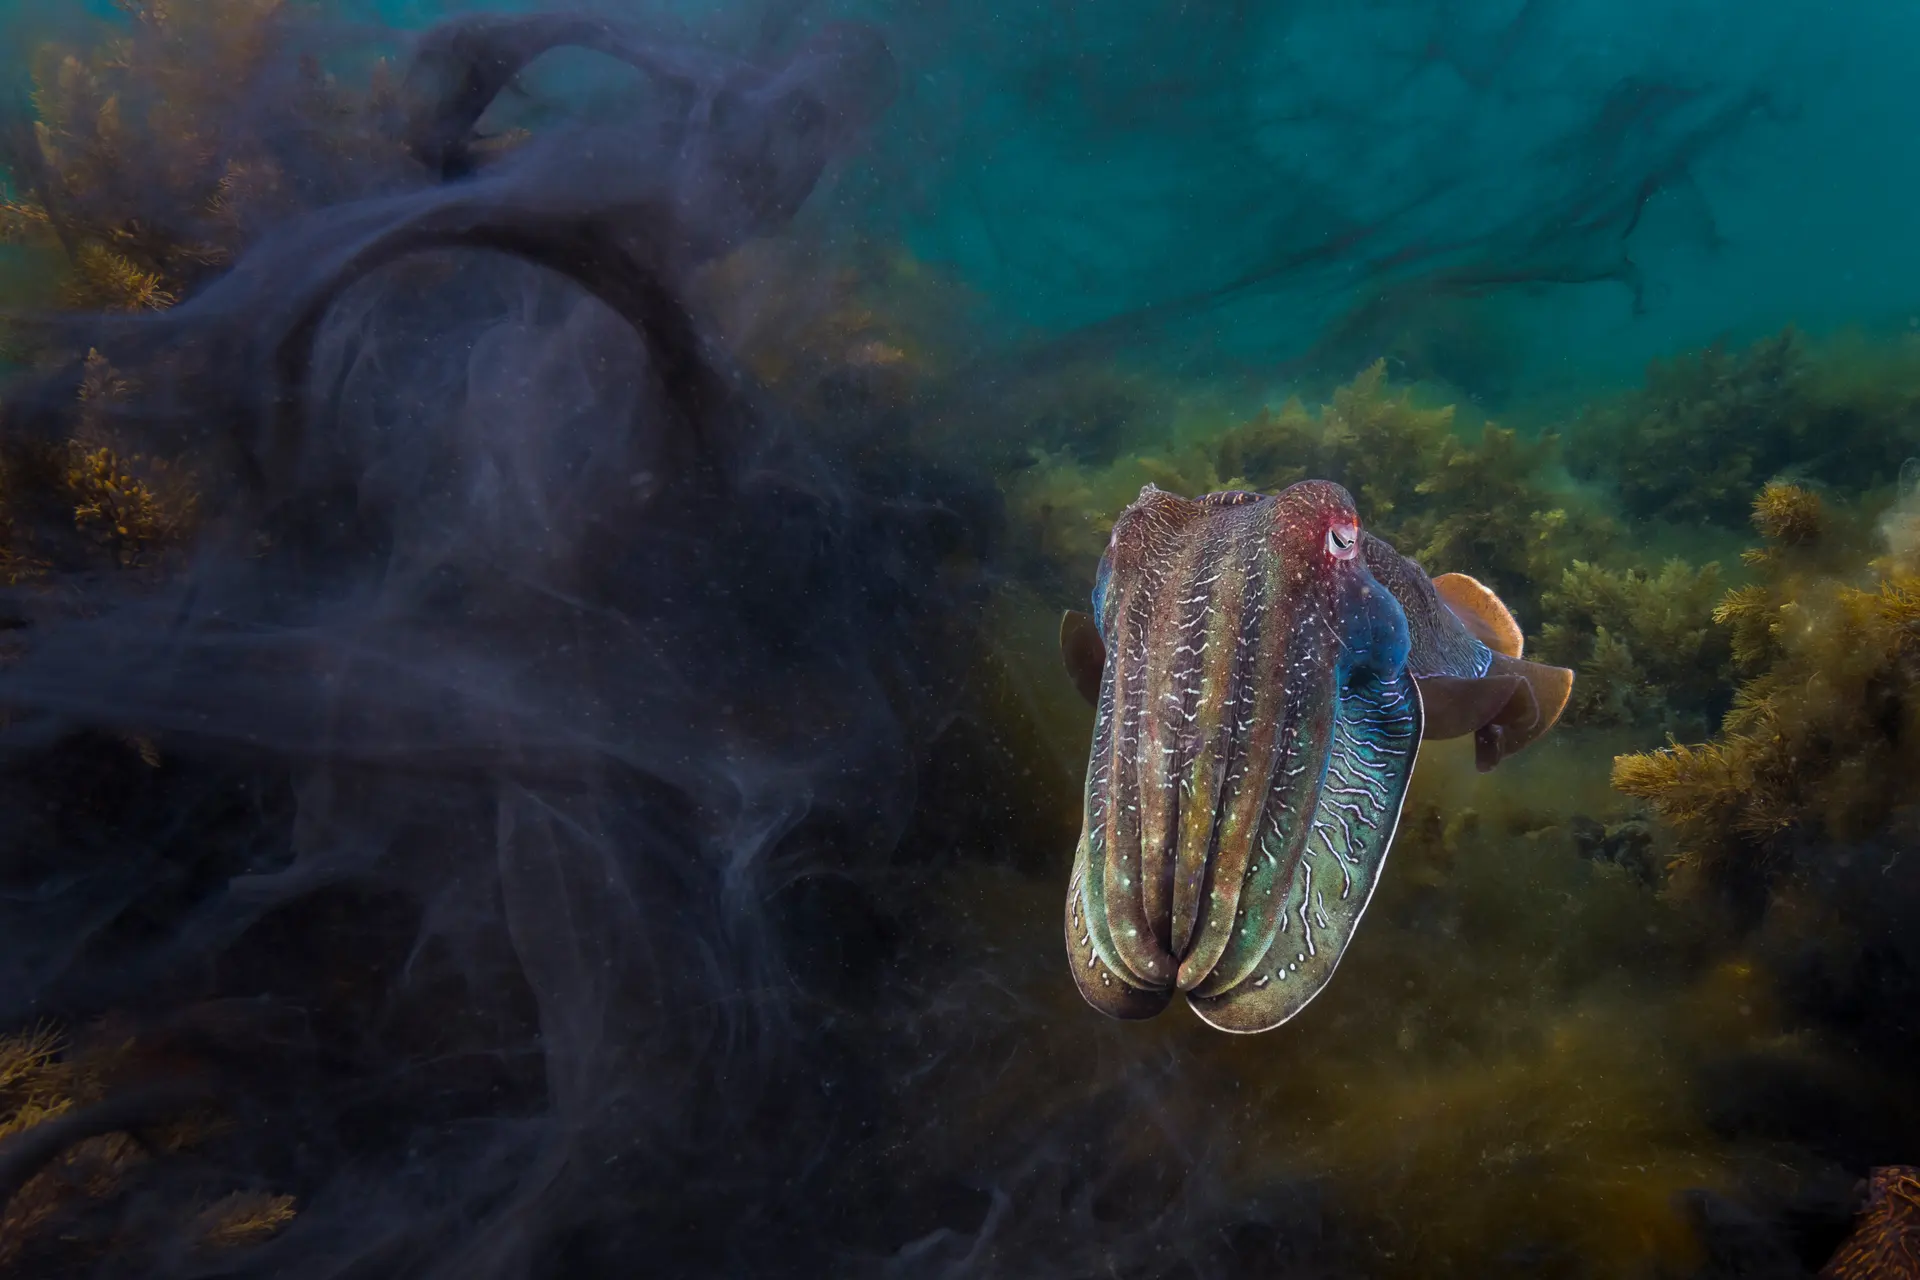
1368	765
1116	961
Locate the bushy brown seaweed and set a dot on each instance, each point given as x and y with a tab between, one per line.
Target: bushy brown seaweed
44	1076
1823	738
1644	644
92	498
149	168
142	176
863	337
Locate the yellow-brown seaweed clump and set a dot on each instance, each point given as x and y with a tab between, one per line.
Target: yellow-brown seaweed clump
92	497
42	1078
138	179
1821	737
1787	515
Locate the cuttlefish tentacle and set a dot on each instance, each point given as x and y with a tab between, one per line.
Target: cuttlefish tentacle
1261	837
1103	979
1263	673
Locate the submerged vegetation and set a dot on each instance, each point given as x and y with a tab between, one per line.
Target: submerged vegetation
1546	990
91	500
1822	742
1710	428
156	154
1643	642
1442	496
70	1211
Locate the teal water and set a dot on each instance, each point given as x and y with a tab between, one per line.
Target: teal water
1262	171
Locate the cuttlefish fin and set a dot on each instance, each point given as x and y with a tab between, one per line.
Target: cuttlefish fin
1084	651
1533	709
1481	612
1459	705
1514	704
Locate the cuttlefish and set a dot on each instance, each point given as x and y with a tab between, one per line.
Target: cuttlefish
1263	672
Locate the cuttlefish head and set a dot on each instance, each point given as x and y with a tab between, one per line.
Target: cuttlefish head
1464	646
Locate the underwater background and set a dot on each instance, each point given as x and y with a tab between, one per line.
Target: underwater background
532	733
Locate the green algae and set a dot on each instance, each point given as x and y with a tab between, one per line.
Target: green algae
1442	496
1710	428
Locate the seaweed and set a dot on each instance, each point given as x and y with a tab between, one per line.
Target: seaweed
95	499
1644	643
849	346
1481	505
1708	428
159	152
1823	735
48	1081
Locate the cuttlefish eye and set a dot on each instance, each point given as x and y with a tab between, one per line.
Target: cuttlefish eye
1343	540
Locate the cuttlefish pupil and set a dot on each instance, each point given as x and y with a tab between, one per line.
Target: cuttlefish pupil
1263	672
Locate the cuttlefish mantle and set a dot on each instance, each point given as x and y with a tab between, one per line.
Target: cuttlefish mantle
1263	671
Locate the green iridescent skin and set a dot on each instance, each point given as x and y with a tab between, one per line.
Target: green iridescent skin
1256	725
